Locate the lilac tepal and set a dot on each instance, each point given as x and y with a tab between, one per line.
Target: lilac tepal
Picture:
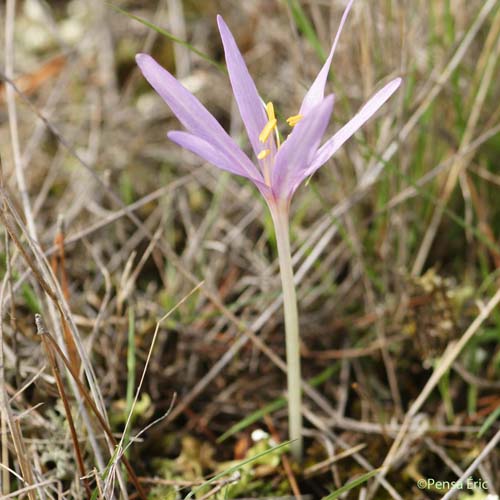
278	169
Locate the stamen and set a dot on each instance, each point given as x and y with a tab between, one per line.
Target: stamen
264	154
293	120
266	131
271	123
270	111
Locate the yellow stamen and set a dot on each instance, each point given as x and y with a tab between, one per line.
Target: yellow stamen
266	131
270	125
263	154
270	111
293	120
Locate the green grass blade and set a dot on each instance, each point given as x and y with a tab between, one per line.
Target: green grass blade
31	298
276	405
237	467
170	36
351	484
422	192
96	493
490	420
305	26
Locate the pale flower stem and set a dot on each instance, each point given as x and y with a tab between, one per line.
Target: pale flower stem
280	218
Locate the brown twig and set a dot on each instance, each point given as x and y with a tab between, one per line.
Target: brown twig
58	263
93	407
42	278
40	328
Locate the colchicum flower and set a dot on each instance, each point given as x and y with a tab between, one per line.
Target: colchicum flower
279	168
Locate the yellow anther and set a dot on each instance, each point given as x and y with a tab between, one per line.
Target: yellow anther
270	111
263	154
266	131
293	120
271	123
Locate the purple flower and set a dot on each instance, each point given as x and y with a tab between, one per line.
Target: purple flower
279	168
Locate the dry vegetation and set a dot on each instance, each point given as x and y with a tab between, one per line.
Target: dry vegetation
152	270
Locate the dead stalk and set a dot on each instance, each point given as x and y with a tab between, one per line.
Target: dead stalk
95	411
40	328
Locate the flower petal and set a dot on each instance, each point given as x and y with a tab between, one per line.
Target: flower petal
298	150
191	113
316	92
249	103
211	154
364	114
